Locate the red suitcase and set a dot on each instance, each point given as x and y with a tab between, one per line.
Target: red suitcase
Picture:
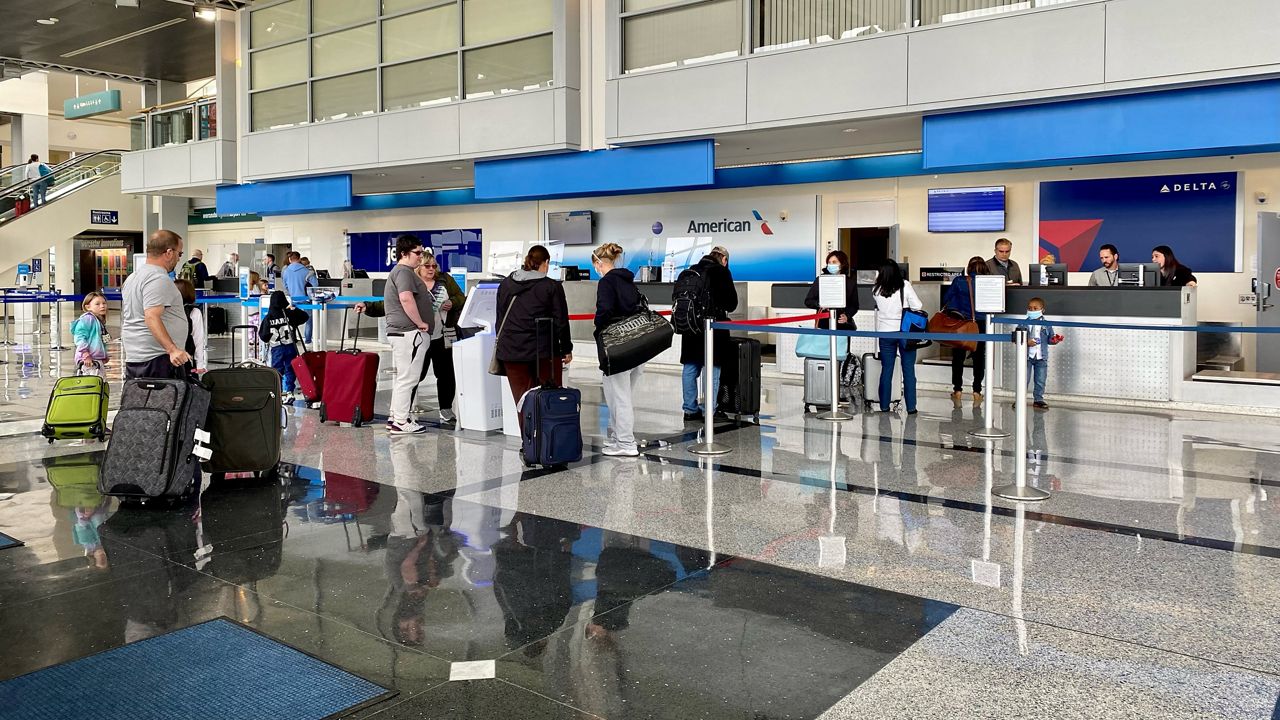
350	381
22	206
309	370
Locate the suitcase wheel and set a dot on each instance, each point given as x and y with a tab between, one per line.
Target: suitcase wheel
357	420
322	415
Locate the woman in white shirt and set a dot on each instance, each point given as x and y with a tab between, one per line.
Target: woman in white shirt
891	293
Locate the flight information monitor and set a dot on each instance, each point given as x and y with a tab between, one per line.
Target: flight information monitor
975	209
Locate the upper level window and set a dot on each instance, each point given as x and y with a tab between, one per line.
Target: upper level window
692	32
278	23
792	23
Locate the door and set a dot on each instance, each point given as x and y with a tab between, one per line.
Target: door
1268	354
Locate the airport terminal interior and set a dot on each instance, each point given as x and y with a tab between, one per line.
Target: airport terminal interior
1077	516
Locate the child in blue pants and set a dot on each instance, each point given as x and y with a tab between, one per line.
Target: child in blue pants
279	329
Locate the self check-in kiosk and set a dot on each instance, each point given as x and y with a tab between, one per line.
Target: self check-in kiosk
480	395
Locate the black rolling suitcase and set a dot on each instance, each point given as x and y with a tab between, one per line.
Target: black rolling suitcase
244	418
217	319
157	440
551	417
740	378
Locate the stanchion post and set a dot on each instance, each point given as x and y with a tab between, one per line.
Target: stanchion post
55	323
708	446
321	322
989	431
1019	490
834	414
4	295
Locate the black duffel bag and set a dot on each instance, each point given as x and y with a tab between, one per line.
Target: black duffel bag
633	341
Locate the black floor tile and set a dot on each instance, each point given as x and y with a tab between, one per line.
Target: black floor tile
479	700
746	640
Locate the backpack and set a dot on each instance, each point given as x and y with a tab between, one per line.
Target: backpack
690	301
188	273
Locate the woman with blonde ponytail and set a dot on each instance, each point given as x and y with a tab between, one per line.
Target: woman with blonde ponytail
617	298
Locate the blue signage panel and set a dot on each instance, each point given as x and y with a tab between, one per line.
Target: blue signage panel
1195	214
104	217
37	265
97	103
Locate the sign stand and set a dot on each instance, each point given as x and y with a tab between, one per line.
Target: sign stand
831	295
988	298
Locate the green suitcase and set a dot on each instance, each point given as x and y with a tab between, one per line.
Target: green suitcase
77	409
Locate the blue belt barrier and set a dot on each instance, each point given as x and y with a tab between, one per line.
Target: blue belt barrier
1162	328
978	337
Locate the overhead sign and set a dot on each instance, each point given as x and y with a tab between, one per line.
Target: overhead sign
940	274
99	103
104	217
209	216
37	265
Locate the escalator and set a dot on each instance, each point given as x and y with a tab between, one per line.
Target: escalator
76	189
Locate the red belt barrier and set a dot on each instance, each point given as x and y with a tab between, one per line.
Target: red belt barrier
781	320
593	317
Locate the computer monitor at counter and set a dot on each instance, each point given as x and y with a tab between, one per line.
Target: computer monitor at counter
1054	274
1138	275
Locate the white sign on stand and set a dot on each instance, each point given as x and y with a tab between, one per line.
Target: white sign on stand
988	293
831	291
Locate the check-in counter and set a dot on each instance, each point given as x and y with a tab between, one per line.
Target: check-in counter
1116	364
581	297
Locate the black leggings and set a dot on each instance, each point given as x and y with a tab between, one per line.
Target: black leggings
441	358
979	367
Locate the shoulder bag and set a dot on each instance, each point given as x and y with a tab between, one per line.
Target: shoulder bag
633	341
913	321
949	322
496	366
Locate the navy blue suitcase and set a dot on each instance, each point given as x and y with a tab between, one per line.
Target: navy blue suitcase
550	417
551	421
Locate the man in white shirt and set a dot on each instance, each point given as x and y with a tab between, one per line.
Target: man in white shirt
1109	274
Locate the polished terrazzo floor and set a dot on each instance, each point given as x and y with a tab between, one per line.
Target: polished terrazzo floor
856	570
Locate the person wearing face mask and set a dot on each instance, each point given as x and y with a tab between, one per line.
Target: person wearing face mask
838	264
1041	339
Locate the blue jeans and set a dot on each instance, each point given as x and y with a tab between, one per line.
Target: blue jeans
1038	374
692	380
281	358
39	191
889	351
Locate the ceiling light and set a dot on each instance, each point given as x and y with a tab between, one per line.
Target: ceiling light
457	167
850	130
48	21
127	3
205	11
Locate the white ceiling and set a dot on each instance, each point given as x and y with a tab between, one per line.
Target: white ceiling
819	141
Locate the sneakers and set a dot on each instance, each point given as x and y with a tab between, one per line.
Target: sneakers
957	398
447	416
692	417
407	428
1040	405
621	451
977	398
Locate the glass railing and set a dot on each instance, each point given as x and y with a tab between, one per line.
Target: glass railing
12	175
25	196
174	124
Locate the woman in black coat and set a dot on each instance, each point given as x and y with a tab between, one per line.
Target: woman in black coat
1172	272
616	299
724	300
524	297
838	264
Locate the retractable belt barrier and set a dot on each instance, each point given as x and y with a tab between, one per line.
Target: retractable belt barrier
1243	329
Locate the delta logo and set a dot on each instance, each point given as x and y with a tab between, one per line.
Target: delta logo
724	225
1195	187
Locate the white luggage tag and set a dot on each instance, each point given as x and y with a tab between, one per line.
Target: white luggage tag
203	436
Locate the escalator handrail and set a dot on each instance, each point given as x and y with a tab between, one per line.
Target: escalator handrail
26	185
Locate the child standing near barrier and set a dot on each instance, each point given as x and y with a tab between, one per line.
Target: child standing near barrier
1041	339
279	329
197	343
89	331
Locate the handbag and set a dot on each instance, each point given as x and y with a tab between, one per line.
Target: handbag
913	321
496	366
947	321
628	343
818	346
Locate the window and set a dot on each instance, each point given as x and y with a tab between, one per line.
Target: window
354	49
282	65
788	23
345	96
279	108
485	21
333	14
520	65
278	23
420	34
424	82
690	33
172	128
390	7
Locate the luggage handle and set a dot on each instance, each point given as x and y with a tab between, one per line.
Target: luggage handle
95	364
537	353
246	362
355	341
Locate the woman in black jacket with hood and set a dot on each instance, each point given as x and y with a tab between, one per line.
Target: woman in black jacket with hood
524	297
617	298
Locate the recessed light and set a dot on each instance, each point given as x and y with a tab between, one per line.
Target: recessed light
457	167
48	21
850	130
717	144
382	174
205	11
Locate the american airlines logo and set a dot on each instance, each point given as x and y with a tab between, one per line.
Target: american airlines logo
726	225
1195	187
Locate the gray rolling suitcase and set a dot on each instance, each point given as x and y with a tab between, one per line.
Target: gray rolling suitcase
157	440
871	382
817	383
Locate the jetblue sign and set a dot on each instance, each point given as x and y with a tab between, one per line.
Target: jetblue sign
104	217
89	105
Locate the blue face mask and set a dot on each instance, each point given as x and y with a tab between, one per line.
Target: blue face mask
833	268
1035	314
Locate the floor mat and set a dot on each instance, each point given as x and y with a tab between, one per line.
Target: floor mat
8	542
218	669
